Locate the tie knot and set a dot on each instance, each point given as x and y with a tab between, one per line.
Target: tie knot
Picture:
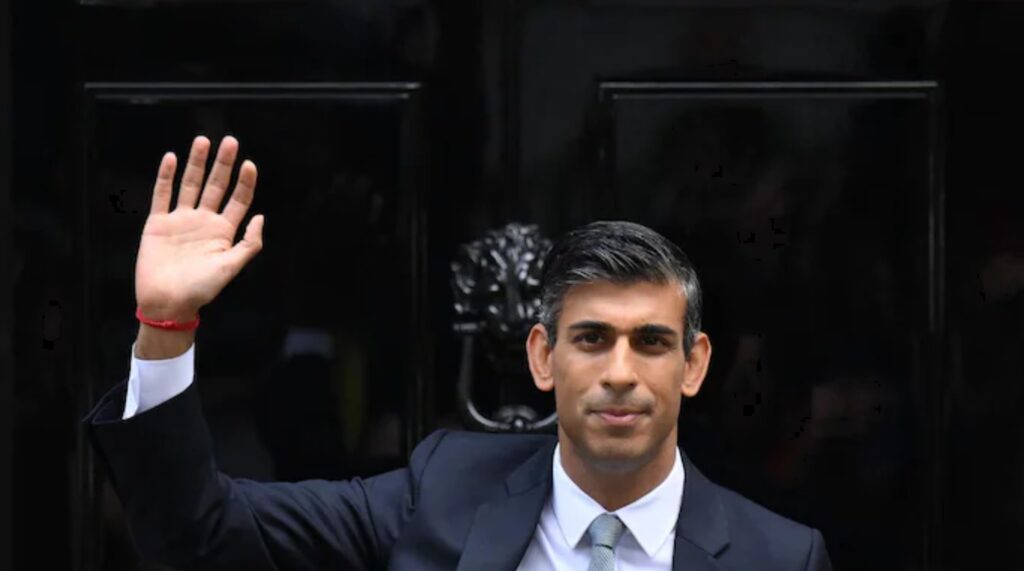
606	530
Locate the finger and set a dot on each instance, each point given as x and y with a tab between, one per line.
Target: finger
245	250
241	197
164	184
193	177
220	175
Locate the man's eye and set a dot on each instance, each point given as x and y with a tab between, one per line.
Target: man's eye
652	341
589	338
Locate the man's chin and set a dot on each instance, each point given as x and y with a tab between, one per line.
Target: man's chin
618	457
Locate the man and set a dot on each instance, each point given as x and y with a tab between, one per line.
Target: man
619	344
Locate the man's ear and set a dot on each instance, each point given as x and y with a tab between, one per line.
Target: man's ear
538	352
696	365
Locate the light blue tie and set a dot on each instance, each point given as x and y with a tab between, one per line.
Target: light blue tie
605	532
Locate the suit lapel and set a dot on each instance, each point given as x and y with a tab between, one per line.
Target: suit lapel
702	531
502	528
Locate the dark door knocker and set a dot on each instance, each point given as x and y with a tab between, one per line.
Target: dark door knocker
496	288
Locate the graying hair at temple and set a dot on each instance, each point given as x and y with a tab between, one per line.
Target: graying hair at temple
620	252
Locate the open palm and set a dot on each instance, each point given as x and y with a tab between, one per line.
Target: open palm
188	255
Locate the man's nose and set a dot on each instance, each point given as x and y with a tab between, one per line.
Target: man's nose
621	372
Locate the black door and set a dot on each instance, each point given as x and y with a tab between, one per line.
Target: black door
837	172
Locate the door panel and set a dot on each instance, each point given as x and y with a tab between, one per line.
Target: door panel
295	359
806	209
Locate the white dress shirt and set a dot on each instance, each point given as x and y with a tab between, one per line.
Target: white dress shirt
560	541
152	382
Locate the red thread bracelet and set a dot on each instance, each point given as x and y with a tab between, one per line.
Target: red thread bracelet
169	324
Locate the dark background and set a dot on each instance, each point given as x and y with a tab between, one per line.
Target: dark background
843	174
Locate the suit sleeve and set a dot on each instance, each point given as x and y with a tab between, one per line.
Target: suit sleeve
186	514
817	557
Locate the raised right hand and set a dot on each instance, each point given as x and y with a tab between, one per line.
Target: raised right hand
188	255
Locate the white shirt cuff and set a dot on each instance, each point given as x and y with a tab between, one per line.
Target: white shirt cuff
154	382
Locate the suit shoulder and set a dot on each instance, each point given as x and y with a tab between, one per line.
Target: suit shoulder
745	509
457	449
761	532
501	439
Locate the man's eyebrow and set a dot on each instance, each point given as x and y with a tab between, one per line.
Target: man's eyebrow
646	329
591	325
653	329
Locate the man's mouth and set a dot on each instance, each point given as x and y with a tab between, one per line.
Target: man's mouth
619	416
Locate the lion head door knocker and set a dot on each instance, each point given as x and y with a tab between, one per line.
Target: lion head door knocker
496	287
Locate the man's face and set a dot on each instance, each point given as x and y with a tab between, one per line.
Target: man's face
619	371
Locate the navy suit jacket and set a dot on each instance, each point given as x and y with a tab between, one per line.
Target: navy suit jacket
466	501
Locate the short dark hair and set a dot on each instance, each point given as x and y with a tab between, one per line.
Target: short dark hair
620	252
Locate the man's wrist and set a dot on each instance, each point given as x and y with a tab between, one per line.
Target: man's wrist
168	312
154	343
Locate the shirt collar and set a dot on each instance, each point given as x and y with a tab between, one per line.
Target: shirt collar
650	519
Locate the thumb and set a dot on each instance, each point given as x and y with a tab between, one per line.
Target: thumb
252	242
